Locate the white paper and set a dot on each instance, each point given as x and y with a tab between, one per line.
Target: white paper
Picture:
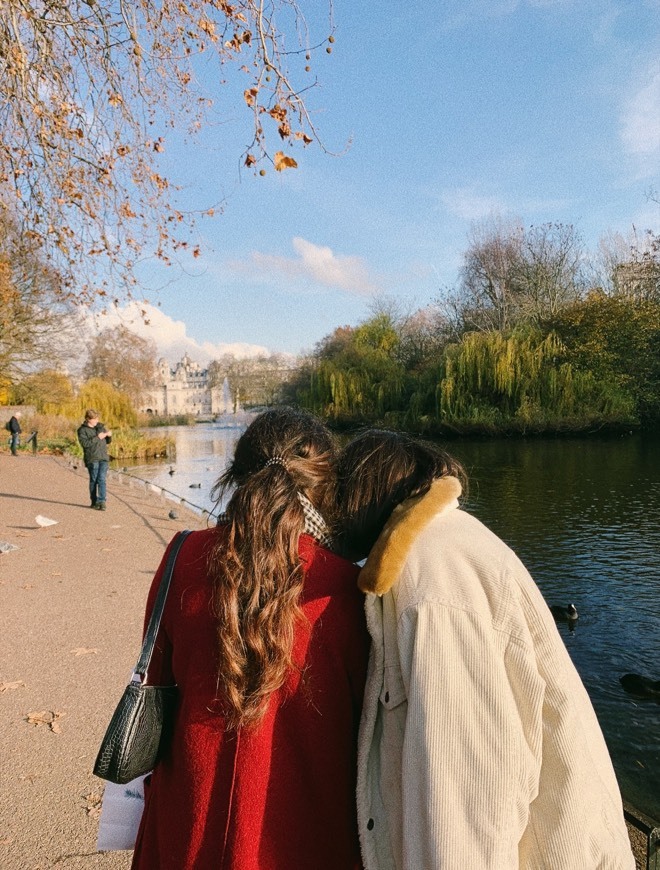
121	812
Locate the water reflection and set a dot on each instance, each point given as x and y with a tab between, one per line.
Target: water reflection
202	454
584	516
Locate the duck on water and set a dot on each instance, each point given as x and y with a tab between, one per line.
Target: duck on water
564	614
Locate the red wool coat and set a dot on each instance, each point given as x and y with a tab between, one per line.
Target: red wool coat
281	796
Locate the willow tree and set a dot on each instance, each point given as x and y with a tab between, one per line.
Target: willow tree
91	89
114	407
523	380
364	379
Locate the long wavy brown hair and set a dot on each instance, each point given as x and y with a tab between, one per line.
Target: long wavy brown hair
255	566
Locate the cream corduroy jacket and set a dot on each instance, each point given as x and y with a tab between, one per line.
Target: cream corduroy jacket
478	747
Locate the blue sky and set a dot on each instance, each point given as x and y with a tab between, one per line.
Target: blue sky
545	110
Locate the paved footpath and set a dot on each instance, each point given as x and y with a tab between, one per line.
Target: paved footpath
71	606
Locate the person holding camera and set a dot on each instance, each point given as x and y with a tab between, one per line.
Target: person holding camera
94	439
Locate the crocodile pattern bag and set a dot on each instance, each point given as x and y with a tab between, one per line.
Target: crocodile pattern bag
139	728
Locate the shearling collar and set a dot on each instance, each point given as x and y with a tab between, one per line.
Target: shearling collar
388	554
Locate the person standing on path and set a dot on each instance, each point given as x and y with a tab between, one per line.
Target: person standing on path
94	439
14	427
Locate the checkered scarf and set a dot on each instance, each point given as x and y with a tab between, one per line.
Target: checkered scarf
315	525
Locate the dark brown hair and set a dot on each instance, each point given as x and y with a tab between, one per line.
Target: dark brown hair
376	471
256	570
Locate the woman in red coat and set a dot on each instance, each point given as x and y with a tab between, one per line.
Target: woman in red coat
264	635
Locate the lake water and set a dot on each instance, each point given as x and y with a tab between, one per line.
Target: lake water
584	516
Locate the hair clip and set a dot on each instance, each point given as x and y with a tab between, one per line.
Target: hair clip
276	460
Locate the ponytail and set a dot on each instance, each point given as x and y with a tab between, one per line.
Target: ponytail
255	565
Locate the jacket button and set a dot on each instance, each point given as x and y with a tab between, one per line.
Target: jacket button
387	697
370	825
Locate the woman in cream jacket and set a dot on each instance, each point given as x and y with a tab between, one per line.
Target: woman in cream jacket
478	747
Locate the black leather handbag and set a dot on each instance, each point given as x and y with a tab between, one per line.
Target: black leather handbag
140	725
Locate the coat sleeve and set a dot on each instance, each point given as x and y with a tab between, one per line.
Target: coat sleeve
85	436
472	743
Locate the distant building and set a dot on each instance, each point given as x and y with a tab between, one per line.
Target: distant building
185	389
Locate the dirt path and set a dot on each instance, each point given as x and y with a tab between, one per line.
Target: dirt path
71	605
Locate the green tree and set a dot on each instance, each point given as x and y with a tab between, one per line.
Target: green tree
356	374
522	381
254	381
48	390
617	339
114	407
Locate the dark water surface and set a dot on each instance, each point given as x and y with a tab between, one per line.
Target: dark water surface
584	516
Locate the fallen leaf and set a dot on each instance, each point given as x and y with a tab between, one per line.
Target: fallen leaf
93	807
55	726
84	650
46	717
29	776
15	684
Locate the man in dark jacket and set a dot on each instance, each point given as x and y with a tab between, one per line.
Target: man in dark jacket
94	438
15	428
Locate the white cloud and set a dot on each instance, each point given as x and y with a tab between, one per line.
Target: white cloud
171	336
640	121
317	264
465	203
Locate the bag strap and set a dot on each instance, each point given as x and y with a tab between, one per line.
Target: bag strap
154	621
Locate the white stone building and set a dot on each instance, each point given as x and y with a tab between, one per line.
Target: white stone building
185	389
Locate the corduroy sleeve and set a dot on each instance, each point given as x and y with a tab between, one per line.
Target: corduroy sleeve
472	743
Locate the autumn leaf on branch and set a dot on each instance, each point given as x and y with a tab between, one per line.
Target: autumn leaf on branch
282	161
80	168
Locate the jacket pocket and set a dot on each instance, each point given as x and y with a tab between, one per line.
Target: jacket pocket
393	692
